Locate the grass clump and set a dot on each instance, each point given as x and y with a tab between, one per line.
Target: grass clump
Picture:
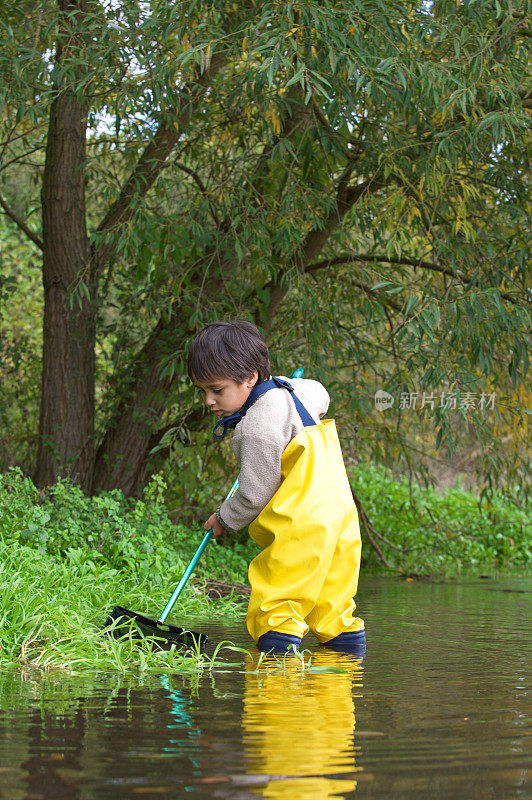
51	612
66	560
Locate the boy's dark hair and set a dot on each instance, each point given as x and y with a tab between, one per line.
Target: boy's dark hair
229	350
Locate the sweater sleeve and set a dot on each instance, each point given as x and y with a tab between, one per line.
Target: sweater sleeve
323	402
259	479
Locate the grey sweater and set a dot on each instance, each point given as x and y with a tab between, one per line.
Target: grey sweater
258	443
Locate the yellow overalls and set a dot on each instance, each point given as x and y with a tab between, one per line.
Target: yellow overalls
307	573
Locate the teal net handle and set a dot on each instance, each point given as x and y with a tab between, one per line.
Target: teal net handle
189	570
298	373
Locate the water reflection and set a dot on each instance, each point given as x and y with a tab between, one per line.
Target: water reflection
444	715
299	726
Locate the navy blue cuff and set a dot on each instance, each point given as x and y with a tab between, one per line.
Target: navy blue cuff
275	642
353	642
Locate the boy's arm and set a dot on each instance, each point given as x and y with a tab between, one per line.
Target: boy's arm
259	479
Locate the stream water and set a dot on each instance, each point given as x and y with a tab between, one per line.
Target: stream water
437	709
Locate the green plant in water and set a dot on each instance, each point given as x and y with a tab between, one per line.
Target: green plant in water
63	566
65	561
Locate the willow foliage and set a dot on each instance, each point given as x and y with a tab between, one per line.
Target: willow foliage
351	175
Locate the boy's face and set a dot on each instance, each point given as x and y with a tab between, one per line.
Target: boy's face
224	396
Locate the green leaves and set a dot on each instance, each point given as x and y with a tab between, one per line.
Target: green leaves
453	532
255	177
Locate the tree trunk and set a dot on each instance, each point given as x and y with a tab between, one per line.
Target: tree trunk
120	461
123	459
66	430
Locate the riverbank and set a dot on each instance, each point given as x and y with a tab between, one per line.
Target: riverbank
66	560
446	533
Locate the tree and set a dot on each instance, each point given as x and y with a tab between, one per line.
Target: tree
349	174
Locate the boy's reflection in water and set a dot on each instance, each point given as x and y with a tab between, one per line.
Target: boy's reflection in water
298	726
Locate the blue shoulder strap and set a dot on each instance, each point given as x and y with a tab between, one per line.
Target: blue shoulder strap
306	419
259	389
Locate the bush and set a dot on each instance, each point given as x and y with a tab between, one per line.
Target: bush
135	536
442	533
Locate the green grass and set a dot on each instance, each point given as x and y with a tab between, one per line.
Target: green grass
67	560
51	613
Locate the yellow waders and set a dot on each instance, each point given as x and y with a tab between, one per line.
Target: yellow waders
307	573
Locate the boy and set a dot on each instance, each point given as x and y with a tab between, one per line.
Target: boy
293	492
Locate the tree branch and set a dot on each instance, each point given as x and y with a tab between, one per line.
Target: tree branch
203	189
346	197
345	258
369	530
21	224
389	303
526	97
350	155
152	161
193	417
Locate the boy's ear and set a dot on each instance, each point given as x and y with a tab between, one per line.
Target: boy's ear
252	380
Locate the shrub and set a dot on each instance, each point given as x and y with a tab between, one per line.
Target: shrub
444	533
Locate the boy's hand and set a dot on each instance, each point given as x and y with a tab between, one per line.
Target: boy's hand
213	523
